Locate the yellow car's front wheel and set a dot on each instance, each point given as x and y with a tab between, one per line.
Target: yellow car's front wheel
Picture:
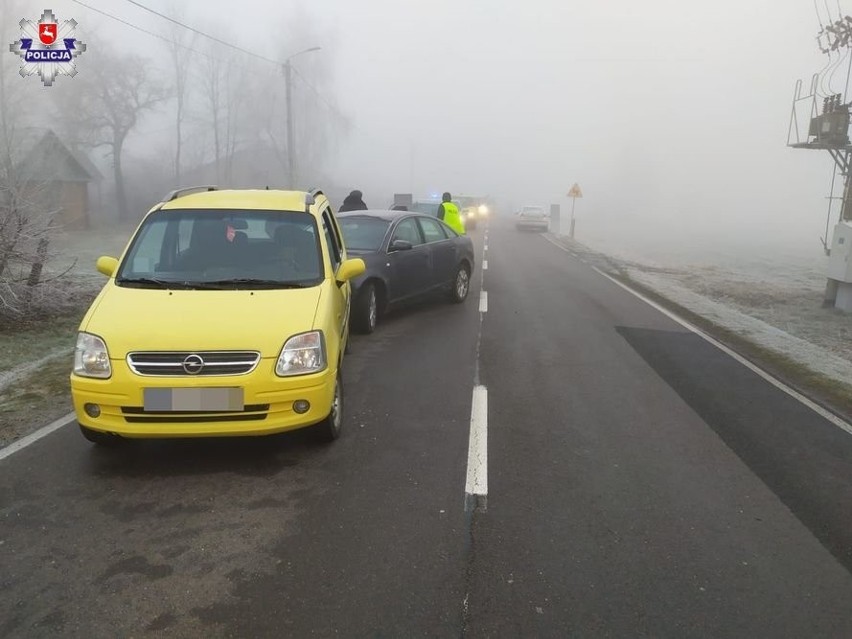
329	429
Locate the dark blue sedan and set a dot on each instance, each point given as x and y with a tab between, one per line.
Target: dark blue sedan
408	256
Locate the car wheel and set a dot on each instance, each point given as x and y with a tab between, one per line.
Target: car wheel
101	439
329	429
461	285
366	312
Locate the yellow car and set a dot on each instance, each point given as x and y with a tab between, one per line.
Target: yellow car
227	314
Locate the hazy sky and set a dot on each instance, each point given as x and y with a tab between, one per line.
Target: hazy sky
672	115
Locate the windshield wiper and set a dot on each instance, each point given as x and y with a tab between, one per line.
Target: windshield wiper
149	281
247	282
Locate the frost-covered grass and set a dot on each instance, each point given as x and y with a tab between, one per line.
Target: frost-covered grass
36	346
35	341
79	250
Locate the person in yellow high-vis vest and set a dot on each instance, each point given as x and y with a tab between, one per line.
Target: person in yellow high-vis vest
449	213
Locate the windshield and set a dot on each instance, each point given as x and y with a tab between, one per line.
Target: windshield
224	248
535	210
363	233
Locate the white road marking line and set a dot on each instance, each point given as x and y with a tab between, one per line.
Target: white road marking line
486	247
483	301
485	265
44	431
777	383
477	451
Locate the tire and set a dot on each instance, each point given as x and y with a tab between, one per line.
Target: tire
365	314
98	438
461	285
329	429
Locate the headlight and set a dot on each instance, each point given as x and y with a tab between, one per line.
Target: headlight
483	210
91	358
301	354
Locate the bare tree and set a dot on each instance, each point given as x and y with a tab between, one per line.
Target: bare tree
241	106
106	104
211	88
179	48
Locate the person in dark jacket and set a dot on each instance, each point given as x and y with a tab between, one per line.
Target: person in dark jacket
354	202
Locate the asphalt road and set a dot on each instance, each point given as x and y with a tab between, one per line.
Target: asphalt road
641	483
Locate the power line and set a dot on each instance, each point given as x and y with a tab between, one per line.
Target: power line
247	69
150	33
317	93
206	35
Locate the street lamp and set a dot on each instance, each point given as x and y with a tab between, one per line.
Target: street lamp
291	137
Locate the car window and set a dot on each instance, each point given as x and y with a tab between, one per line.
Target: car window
363	233
338	234
407	230
433	230
448	231
331	239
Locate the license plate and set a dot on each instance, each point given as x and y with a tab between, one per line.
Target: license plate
221	400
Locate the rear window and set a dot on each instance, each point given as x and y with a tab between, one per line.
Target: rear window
363	233
427	208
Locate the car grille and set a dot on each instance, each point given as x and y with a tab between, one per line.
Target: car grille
137	415
193	363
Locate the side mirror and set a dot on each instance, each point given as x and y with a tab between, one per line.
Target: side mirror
400	245
350	268
107	265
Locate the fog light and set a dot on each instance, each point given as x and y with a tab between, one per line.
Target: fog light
92	410
301	406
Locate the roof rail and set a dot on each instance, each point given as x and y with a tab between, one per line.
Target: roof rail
311	197
173	195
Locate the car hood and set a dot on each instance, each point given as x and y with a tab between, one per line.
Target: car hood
130	319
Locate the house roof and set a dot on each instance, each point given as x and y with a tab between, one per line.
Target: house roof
49	159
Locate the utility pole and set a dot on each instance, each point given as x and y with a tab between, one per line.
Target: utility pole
291	142
287	69
827	127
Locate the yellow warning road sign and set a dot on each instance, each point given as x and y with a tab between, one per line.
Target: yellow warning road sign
575	191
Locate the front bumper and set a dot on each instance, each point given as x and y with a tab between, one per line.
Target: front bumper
268	403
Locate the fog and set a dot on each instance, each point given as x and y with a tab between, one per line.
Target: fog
672	116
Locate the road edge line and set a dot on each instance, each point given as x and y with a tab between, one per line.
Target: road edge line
777	383
44	431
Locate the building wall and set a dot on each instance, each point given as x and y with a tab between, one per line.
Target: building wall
74	200
70	200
